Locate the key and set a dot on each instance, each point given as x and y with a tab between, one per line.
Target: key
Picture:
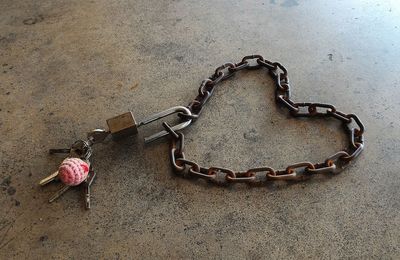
59	193
49	178
88	183
80	148
63	150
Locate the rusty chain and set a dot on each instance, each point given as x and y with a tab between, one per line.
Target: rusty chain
298	171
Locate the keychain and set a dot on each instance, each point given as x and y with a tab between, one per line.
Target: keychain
76	170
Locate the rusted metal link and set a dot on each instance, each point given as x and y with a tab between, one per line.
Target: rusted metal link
182	163
289	104
284	94
186	117
216	78
200	174
299	171
354	139
266	64
181	142
176	165
219	74
206	86
176	151
283	176
275	72
305	165
356	152
240	66
282	84
339	115
215	170
312	109
360	131
228	75
241	177
325	167
290	173
197	105
227	66
252	57
336	159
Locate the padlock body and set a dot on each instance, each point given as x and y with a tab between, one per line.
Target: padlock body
122	125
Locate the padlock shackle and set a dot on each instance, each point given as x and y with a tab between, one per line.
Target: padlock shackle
162	114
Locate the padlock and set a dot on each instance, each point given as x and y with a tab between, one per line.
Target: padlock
125	125
122	125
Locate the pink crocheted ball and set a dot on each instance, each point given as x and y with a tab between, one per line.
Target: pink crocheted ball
73	171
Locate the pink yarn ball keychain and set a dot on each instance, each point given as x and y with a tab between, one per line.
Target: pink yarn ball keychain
73	171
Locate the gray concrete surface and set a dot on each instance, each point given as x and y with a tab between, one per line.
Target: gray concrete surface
66	66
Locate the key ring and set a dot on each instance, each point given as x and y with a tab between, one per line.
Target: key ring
76	168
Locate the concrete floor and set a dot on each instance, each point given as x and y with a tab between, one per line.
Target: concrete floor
66	66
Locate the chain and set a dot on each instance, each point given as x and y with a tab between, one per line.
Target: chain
298	171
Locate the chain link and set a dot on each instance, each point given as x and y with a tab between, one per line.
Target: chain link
295	172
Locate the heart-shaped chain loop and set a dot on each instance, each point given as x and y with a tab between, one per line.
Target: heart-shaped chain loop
298	171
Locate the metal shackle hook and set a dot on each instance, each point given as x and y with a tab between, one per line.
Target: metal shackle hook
162	114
